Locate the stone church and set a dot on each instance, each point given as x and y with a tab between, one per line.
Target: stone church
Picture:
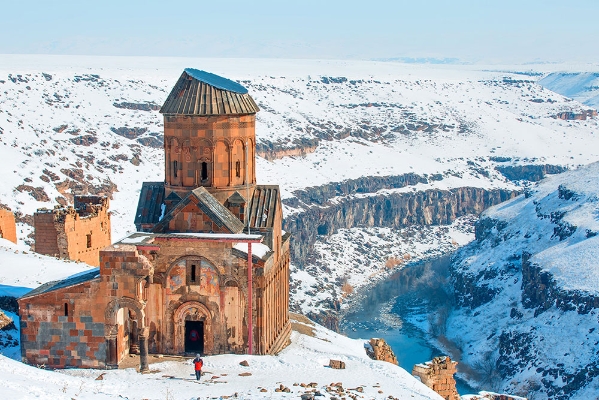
208	269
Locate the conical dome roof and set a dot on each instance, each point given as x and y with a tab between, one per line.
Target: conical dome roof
202	93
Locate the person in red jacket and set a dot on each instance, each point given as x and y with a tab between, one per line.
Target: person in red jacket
198	363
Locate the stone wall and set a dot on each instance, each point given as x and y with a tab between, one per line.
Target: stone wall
63	329
438	375
8	228
77	233
208	151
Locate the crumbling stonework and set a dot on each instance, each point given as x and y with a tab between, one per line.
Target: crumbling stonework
438	375
76	233
8	228
382	351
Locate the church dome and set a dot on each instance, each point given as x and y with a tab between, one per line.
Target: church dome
201	93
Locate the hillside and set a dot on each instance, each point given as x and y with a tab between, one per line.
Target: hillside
527	290
379	162
339	137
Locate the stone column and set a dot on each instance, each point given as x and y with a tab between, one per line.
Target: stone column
134	338
111	356
143	350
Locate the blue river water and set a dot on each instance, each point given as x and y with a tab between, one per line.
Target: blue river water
385	310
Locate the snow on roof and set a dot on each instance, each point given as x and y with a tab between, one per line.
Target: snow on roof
258	249
230	236
215	80
70	281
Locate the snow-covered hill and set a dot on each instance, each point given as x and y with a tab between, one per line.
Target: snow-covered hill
89	124
581	86
528	290
334	133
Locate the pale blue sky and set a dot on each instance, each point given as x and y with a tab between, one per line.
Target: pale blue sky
470	30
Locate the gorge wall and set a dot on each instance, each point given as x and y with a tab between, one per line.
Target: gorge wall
332	208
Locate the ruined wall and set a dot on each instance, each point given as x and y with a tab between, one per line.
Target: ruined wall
274	327
382	351
438	375
75	233
8	228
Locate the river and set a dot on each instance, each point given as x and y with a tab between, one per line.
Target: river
396	309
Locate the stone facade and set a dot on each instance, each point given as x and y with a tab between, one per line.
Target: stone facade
8	228
208	273
438	375
76	233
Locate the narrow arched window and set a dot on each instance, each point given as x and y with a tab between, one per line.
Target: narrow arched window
238	168
204	170
66	309
175	167
193	273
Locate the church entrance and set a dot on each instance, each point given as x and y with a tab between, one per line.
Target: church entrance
194	337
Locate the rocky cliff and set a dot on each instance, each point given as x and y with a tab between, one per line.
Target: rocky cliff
332	208
527	291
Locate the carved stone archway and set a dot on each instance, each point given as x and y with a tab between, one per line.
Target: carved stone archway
192	311
111	330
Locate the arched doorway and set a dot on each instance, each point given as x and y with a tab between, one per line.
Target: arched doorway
193	329
125	331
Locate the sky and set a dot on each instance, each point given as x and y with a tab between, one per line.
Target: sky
506	31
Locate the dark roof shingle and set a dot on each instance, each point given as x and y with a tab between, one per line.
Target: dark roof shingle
202	93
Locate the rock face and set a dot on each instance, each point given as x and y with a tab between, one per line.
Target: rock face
532	271
382	351
430	207
438	375
532	173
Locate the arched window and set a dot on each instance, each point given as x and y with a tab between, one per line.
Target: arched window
204	170
175	167
66	309
238	168
193	273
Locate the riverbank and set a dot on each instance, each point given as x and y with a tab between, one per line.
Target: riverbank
408	310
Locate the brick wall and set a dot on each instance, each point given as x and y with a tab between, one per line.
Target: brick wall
60	337
75	233
8	228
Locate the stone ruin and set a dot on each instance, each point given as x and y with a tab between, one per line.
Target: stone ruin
438	375
76	233
380	350
8	228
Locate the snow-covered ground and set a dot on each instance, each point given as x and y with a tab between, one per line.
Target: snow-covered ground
89	124
302	368
534	335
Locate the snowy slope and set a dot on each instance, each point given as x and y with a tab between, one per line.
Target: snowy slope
528	290
77	124
302	368
580	86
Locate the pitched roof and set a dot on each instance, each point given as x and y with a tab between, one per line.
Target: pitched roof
263	206
209	206
70	281
236	198
149	207
202	93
